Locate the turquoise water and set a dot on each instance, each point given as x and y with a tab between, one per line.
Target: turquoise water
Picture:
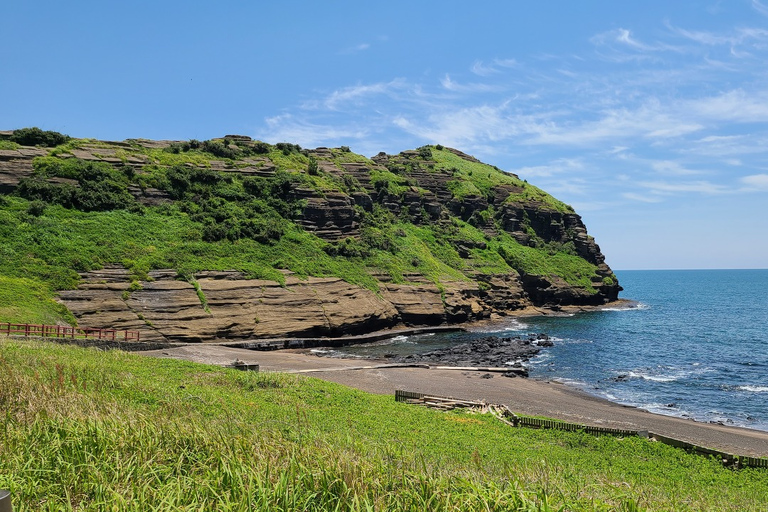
695	345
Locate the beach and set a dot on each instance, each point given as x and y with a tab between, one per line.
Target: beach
522	396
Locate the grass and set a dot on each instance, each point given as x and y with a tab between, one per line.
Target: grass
29	301
88	430
474	178
539	261
8	145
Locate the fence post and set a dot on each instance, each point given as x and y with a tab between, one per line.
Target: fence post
5	501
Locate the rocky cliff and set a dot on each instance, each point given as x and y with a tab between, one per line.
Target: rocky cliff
234	238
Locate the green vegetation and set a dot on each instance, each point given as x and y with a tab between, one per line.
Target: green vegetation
28	301
76	215
37	137
8	145
88	430
475	178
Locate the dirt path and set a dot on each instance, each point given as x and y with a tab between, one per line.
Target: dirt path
525	396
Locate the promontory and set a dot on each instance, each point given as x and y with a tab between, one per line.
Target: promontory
233	238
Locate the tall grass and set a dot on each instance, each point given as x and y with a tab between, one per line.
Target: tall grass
88	430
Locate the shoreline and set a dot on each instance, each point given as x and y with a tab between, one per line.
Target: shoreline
530	397
298	342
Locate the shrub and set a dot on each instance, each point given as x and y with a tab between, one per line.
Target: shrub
260	148
288	148
218	149
36	208
36	137
312	168
100	187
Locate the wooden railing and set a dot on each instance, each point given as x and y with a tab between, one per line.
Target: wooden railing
58	331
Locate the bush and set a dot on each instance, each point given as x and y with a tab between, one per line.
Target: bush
260	148
100	187
36	208
288	148
218	149
312	168
36	137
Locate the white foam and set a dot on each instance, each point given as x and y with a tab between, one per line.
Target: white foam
511	324
653	378
634	307
753	389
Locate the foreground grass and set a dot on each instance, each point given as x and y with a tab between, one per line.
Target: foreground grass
89	430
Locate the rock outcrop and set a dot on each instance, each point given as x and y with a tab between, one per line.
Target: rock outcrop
411	187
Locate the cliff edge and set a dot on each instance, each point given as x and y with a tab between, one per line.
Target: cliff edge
238	239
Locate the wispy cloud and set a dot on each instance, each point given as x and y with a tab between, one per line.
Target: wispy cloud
701	187
671	168
454	86
632	196
760	7
557	167
361	47
736	105
496	66
358	93
756	182
288	128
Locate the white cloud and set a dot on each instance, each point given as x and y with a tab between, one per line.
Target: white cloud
461	126
453	86
651	120
341	97
544	171
740	37
736	105
355	49
702	187
641	198
671	168
760	7
625	36
756	182
286	128
482	69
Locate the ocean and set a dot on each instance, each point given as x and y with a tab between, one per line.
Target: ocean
694	344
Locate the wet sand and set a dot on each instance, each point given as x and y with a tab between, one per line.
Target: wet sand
524	396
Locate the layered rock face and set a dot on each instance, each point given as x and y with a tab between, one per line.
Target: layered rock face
213	306
220	306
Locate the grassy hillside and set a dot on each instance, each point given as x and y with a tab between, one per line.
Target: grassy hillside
89	430
239	204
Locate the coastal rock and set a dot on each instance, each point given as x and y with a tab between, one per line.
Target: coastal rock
490	351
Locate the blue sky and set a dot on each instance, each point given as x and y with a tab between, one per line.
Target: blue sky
649	117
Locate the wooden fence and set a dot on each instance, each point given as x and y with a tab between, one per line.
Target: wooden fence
58	331
728	459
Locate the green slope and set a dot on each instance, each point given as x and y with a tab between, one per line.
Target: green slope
88	430
238	204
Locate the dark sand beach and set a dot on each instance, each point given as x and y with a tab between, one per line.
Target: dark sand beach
523	396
